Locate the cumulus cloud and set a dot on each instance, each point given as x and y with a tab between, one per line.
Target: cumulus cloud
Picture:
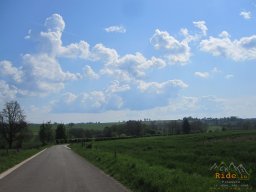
131	63
42	72
246	14
42	66
55	23
131	66
160	88
116	87
89	72
52	40
7	92
116	28
202	26
94	99
45	73
237	50
202	74
69	97
140	95
106	55
7	69
175	51
76	50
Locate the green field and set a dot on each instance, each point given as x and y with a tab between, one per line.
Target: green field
172	163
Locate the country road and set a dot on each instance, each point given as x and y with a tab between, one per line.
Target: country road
59	169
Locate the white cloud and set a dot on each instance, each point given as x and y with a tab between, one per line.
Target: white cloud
160	88
202	26
116	28
94	99
7	92
131	66
175	51
189	37
7	69
42	66
202	74
131	63
48	87
69	97
52	42
153	62
42	74
89	72
45	73
136	64
116	73
246	14
139	95
229	76
224	35
101	53
55	23
115	87
74	50
237	50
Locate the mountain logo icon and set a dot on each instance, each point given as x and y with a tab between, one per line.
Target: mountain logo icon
222	170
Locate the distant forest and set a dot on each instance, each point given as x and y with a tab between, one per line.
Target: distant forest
149	127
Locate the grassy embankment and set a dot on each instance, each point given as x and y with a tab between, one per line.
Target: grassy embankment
30	147
12	158
172	163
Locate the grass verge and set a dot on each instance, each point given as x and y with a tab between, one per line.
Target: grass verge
178	163
12	158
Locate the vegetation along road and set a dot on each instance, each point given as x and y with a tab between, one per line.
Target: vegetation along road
59	169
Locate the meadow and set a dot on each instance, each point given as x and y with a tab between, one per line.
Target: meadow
178	163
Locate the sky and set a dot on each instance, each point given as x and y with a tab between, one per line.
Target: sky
117	60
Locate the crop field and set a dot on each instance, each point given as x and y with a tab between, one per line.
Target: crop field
173	163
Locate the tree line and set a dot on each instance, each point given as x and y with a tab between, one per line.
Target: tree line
14	128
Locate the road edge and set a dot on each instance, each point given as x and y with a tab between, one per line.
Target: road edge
117	182
8	171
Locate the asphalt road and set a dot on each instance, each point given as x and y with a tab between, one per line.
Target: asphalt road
59	169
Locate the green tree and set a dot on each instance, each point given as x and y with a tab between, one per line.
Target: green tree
60	132
13	124
186	126
46	133
134	128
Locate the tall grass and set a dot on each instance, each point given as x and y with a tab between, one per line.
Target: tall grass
173	163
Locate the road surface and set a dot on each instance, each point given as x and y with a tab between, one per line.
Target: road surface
59	169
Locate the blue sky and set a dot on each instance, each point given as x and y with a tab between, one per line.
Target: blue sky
80	61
